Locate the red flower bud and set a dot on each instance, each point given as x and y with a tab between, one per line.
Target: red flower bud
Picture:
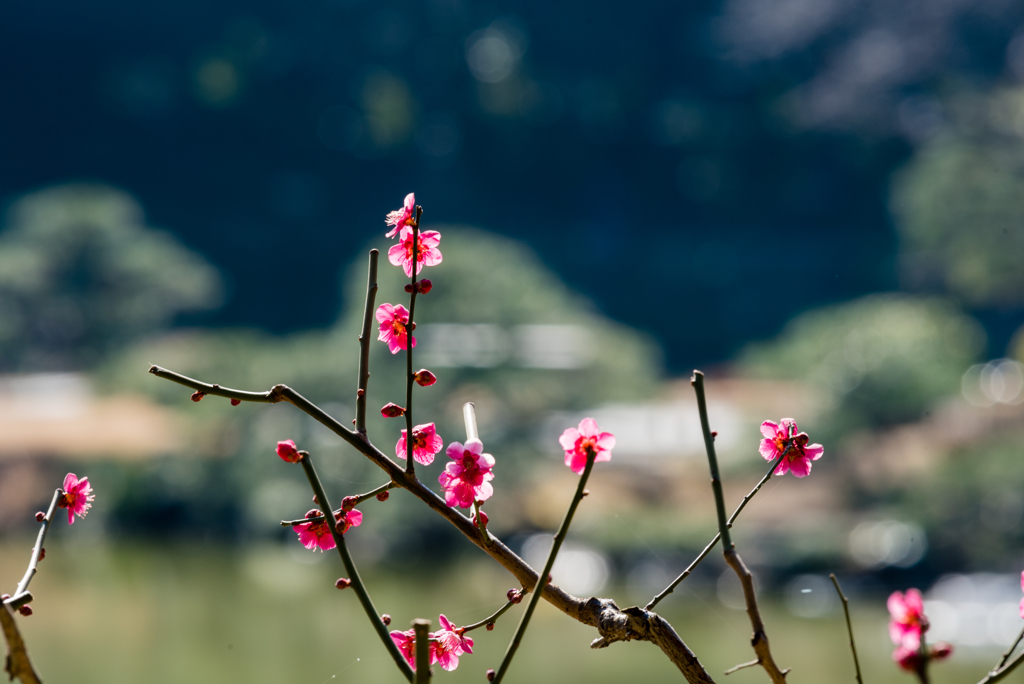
383	496
941	650
422	286
42	554
490	626
236	402
25	610
40	516
386	619
424	378
514	595
483	516
392	410
490	675
343	583
198	395
349	502
288	451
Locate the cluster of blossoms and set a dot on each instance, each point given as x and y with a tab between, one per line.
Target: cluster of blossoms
907	625
316	534
783	439
446	644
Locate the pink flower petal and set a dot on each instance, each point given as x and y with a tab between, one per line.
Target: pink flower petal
769	429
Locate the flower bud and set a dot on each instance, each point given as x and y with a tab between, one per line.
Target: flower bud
490	675
4	597
490	626
941	650
40	516
288	451
386	619
392	410
343	583
313	512
422	286
25	610
514	595
424	378
42	554
383	496
483	516
236	402
198	395
349	502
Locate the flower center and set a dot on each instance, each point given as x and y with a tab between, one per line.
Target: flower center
67	500
588	444
398	327
419	439
468	462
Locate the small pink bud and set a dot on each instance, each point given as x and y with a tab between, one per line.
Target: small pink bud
4	597
349	502
40	516
383	496
422	286
490	675
288	451
198	395
514	595
316	501
313	512
386	619
586	492
424	378
483	516
942	650
714	434
343	583
236	402
360	392
42	554
25	610
392	410
490	626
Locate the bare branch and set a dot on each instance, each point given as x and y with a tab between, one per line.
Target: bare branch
364	342
849	627
359	499
421	628
18	663
21	594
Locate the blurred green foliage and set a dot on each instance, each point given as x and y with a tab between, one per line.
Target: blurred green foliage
960	202
876	361
81	275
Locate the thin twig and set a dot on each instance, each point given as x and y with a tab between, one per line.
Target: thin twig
350	568
18	663
491	618
359	499
999	673
410	462
600	613
538	589
364	343
849	626
718	536
759	640
21	594
422	630
1006	655
737	668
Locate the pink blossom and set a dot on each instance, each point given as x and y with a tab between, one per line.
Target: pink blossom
449	643
288	451
424	378
77	497
425	443
907	657
426	255
467	478
907	620
578	442
406	642
317	534
779	437
401	217
394	323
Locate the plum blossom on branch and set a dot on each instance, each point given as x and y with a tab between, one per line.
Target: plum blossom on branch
778	437
400	218
316	534
427	253
425	443
77	497
577	442
467	478
394	325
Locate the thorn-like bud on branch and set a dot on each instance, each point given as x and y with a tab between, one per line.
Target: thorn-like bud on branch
422	286
490	674
386	619
42	554
392	410
586	492
941	650
198	395
514	595
714	434
25	610
288	451
490	626
343	583
4	597
236	402
349	502
424	378
383	496
316	501
40	516
360	392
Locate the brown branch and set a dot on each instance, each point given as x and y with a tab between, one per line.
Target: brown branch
613	624
421	628
742	666
359	499
364	343
1000	673
849	626
21	594
490	619
18	663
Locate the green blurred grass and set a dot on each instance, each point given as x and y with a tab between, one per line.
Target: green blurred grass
189	613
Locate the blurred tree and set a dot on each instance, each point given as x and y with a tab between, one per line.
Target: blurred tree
878	360
960	203
82	275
